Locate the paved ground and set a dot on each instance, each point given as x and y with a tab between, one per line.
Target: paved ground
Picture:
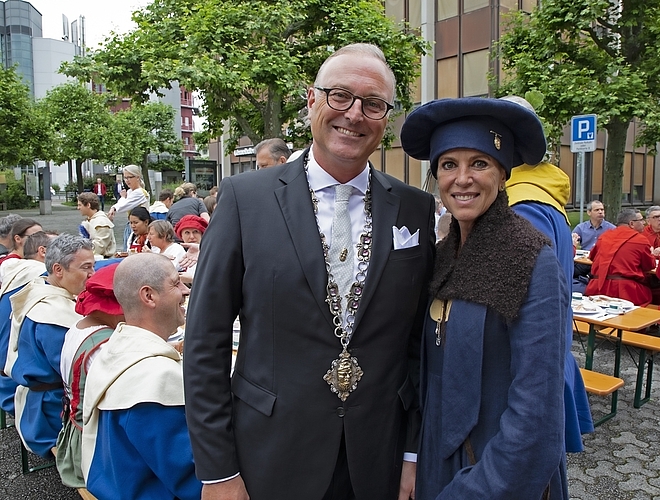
65	219
621	460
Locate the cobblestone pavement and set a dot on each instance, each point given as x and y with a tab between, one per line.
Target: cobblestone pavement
621	460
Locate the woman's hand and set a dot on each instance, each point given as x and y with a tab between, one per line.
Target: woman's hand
190	259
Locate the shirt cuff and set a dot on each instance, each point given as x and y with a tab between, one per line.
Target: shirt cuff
410	457
216	481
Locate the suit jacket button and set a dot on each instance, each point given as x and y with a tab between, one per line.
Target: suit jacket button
341	412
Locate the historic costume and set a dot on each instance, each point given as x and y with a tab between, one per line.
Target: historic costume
621	258
100	231
135	437
21	272
42	314
492	383
539	194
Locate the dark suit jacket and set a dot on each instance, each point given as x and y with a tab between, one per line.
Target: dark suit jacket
276	420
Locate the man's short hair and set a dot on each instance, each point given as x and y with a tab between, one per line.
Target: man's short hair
276	147
591	204
6	224
626	215
62	250
650	210
36	240
163	229
136	271
364	49
90	199
165	194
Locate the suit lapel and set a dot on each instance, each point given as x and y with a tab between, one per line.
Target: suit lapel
296	205
385	210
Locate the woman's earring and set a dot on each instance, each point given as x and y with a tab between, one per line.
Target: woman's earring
501	188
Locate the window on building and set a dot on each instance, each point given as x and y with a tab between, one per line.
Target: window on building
475	73
470	5
509	4
529	5
395	10
447	9
447	77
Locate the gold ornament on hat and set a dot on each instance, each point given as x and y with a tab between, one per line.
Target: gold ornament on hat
497	140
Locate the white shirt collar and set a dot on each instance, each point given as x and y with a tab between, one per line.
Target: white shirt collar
319	179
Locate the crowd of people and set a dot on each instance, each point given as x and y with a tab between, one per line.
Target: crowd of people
377	358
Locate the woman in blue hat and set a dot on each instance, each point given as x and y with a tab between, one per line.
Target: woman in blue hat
493	352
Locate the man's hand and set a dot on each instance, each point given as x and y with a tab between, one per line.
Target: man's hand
407	486
576	239
234	489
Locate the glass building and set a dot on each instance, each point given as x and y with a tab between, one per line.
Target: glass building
19	23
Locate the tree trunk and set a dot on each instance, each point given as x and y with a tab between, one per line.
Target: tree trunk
272	113
79	175
617	130
145	173
70	170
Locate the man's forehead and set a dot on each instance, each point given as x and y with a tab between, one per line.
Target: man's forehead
83	256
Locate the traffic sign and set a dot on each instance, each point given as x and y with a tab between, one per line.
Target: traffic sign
583	134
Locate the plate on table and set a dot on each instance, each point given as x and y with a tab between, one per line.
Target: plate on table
585	307
605	301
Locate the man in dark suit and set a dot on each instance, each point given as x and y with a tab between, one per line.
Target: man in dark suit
322	404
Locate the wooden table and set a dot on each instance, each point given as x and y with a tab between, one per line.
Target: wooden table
633	321
582	260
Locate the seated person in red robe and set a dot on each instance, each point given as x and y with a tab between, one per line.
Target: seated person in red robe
621	260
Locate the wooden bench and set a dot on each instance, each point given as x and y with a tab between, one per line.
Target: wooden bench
601	385
86	494
647	345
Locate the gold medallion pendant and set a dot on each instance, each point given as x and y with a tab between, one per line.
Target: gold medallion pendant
343	375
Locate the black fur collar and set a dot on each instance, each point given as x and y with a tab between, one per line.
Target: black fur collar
494	266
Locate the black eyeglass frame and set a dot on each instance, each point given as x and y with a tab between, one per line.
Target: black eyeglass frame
388	107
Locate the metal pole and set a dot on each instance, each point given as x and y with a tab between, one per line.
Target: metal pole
580	175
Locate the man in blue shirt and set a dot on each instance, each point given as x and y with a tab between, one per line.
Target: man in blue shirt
590	230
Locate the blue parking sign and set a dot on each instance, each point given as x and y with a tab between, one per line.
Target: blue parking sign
583	133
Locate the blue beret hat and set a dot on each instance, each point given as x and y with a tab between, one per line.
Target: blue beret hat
502	129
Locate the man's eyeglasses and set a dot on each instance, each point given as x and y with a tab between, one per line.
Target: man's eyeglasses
639	220
656	217
339	99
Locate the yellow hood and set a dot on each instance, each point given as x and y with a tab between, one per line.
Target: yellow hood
544	183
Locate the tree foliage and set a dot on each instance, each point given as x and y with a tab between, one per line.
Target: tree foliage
141	130
250	60
24	132
590	56
81	121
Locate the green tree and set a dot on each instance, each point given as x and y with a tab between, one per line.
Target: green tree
250	60
141	130
81	122
25	134
590	56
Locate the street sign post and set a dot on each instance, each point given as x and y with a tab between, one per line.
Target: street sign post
583	140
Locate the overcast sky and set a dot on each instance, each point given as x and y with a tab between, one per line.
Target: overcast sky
101	17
